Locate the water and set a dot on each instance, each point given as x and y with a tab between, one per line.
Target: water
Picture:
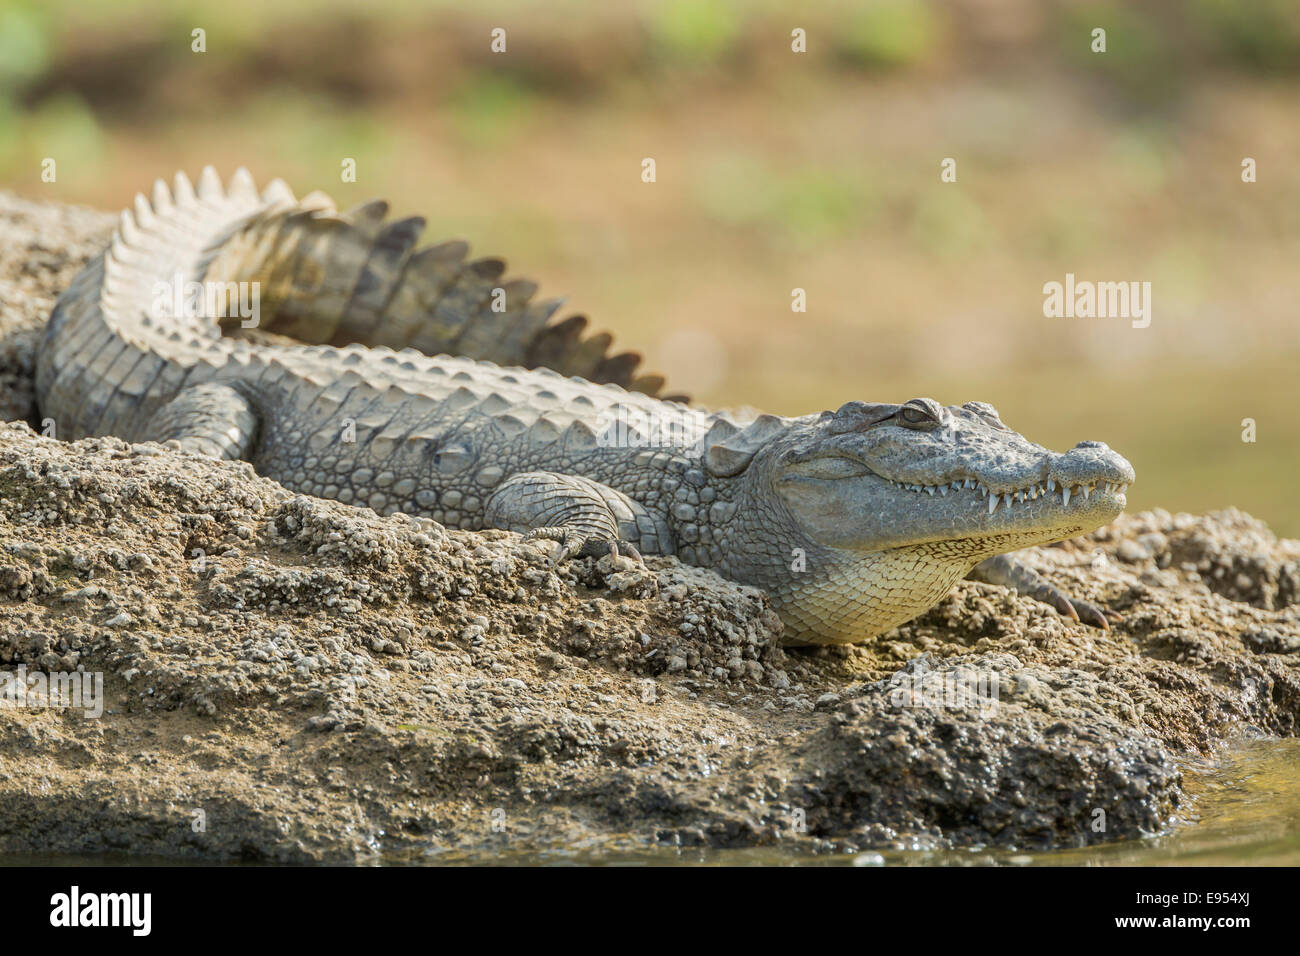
1244	811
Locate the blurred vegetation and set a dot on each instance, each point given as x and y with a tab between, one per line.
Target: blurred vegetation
692	31
889	34
776	170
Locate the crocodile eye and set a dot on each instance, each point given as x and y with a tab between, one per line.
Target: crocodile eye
920	413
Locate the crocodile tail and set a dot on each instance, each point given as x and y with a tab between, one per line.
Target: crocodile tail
356	277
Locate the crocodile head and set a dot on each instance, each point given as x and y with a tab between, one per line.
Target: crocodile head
874	511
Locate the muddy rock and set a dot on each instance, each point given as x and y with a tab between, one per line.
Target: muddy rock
286	678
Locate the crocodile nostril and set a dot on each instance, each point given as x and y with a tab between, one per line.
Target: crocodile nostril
1093	444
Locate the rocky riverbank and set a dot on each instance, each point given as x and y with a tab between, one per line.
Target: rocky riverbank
285	678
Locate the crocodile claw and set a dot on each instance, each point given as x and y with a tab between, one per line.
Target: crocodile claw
1085	612
1005	570
581	544
1093	615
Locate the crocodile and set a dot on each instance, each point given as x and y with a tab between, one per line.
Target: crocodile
420	381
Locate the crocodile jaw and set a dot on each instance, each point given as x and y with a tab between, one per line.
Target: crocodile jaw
1035	514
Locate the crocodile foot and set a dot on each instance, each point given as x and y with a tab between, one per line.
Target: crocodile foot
1085	612
576	543
1006	570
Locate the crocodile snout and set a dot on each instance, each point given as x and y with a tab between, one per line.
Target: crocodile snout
1091	463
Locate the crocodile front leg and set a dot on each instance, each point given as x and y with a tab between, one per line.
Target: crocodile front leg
1005	570
211	419
586	517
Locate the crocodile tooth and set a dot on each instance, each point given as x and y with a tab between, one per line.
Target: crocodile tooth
943	491
1065	493
956	486
1086	489
993	503
968	484
1008	497
929	491
1051	485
